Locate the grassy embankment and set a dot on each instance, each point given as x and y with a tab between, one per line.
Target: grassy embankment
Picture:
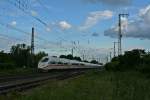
94	85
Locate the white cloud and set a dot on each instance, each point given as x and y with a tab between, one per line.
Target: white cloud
137	28
13	23
94	17
144	10
64	25
48	29
145	14
33	13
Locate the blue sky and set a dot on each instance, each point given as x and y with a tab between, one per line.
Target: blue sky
90	24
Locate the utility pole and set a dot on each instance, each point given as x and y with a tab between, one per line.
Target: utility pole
106	58
72	52
73	47
31	58
110	56
120	33
83	57
32	41
99	60
115	49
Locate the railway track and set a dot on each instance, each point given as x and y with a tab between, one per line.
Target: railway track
27	82
24	76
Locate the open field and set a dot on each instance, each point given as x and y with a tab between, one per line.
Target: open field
94	85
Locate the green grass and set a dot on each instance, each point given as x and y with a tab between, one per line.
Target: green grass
94	85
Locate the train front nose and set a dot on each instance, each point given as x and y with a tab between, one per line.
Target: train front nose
43	63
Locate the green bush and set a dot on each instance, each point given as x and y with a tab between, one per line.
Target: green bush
145	68
112	66
132	60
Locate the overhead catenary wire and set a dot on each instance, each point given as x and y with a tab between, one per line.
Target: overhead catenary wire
27	12
24	32
42	46
21	7
46	9
38	19
10	41
27	33
14	39
11	38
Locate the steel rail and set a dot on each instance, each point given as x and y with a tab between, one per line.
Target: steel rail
22	85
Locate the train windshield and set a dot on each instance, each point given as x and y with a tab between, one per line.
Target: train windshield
45	60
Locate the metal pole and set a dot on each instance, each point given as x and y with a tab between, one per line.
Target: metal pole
107	59
32	41
119	37
83	57
120	33
114	49
72	52
110	56
115	53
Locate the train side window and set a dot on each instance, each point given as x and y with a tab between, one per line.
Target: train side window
45	60
60	63
52	62
82	64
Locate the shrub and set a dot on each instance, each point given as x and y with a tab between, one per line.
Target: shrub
112	66
145	68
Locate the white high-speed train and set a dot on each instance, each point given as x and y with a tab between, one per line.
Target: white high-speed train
49	62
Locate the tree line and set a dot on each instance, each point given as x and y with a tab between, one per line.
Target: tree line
20	56
136	59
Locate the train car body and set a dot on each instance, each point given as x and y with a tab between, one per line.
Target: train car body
49	63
